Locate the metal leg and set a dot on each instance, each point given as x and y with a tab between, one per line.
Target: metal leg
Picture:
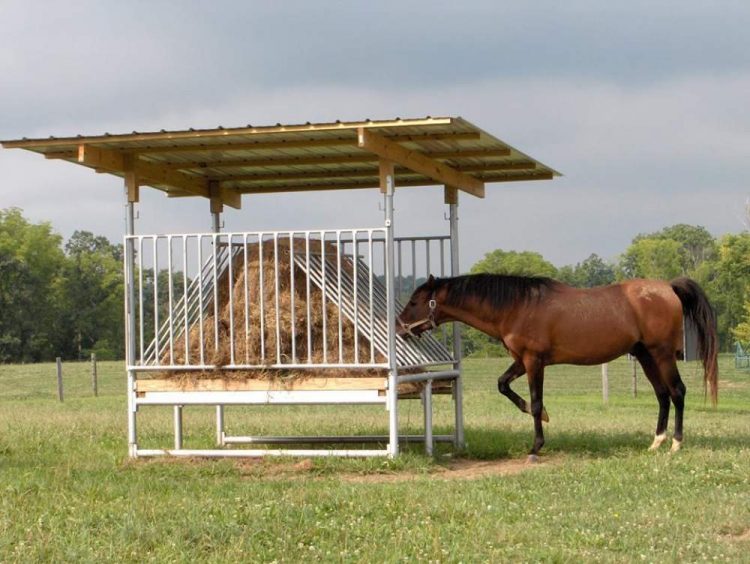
220	425
132	412
177	427
427	405
458	395
387	177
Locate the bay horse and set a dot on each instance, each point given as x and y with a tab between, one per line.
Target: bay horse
542	322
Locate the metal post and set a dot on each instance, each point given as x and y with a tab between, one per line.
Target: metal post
177	427
605	383
94	380
458	394
427	405
216	228
59	379
392	399
130	335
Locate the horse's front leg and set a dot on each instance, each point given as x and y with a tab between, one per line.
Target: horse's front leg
535	374
503	385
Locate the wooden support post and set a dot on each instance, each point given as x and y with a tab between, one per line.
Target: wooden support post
94	382
635	379
59	379
605	383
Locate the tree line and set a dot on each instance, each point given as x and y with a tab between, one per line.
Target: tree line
65	298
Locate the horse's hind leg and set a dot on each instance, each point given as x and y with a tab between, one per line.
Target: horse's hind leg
677	391
503	385
652	372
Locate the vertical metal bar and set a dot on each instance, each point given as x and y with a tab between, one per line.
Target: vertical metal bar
372	306
324	292
292	316
457	383
94	376
216	228
185	298
215	239
230	290
171	308
427	257
261	292
59	379
355	294
220	425
341	311
427	405
130	317
201	286
276	295
605	383
442	258
177	427
141	325
247	300
392	397
413	265
400	279
307	297
157	351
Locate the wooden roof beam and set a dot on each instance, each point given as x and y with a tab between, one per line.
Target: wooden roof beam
323	159
149	173
419	162
363	172
301	143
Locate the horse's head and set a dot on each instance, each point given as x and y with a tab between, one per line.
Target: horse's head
418	315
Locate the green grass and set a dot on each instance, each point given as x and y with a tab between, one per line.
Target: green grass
69	493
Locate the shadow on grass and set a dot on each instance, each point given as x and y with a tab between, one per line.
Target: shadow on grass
496	444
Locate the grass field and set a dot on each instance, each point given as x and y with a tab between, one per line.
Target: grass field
70	494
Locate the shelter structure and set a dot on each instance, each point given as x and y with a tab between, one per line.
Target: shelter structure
228	307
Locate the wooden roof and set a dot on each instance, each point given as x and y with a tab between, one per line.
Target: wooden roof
224	163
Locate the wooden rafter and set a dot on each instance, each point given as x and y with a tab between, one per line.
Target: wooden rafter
299	144
375	183
419	162
302	175
148	173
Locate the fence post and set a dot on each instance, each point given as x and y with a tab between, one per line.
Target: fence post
59	379
635	380
605	383
94	383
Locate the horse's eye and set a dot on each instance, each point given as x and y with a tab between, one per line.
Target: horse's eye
412	303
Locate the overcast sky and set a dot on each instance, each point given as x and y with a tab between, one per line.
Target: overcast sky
643	106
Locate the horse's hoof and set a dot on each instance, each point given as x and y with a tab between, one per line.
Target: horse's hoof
532	459
545	417
658	440
676	445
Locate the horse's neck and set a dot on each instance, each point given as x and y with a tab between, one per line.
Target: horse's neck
475	314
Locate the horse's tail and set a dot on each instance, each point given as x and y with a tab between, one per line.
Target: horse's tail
696	307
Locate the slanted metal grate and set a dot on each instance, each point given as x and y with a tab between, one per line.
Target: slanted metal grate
362	299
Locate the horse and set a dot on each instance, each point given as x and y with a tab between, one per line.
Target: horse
542	322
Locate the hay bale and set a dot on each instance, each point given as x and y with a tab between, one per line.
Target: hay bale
241	324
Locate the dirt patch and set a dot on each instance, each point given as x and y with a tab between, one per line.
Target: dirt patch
460	469
740	537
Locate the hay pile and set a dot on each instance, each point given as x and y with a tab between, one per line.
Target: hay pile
249	347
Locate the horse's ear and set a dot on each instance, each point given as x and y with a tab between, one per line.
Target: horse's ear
431	281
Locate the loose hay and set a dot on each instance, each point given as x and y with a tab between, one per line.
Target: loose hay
254	274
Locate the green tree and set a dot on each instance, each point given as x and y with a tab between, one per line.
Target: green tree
524	263
594	271
32	263
92	287
652	258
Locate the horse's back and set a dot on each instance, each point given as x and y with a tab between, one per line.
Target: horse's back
658	309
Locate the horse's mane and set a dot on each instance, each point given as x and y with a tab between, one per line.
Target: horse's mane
494	290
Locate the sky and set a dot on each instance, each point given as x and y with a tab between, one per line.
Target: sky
642	105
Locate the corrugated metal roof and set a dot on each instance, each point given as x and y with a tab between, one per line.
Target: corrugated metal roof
302	157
